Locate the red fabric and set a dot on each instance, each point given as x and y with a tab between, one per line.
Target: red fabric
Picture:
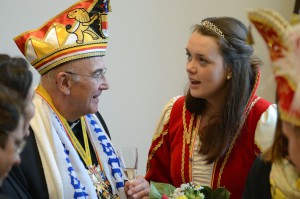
165	165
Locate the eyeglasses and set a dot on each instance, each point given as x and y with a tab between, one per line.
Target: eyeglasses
19	144
100	74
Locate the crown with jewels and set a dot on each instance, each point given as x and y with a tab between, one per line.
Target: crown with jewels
78	32
283	42
213	28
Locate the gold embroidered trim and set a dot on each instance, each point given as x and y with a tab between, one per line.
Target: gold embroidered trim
234	140
191	149
213	174
186	138
155	149
75	57
188	134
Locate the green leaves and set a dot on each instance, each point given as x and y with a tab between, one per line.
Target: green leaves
157	189
219	193
189	190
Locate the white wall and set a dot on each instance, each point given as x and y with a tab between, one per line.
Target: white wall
146	54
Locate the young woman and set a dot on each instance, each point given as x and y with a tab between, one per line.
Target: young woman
212	135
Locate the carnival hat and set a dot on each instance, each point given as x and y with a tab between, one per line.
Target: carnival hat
283	42
78	32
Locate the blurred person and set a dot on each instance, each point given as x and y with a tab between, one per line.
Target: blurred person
69	152
11	131
212	135
276	173
16	76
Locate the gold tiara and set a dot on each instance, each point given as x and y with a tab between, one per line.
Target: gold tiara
214	28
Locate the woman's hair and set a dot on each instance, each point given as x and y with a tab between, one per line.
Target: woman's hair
217	136
279	148
15	74
11	109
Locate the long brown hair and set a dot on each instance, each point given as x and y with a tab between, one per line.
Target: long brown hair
279	149
222	127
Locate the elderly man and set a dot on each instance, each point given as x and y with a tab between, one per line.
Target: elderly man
70	154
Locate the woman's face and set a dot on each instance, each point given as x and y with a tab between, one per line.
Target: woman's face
29	111
292	133
9	156
205	67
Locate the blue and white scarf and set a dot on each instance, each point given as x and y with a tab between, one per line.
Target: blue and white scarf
66	175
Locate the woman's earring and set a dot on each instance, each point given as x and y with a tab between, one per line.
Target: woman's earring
228	77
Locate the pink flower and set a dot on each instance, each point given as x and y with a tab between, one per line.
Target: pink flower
164	197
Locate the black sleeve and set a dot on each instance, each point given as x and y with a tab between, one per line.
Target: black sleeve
103	124
32	169
15	185
258	181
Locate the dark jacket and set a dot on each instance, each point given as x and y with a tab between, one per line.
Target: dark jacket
258	181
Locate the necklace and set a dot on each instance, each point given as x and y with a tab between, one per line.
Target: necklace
85	152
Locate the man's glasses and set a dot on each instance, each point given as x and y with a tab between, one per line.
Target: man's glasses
19	144
100	74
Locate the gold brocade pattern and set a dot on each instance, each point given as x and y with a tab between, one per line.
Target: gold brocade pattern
187	135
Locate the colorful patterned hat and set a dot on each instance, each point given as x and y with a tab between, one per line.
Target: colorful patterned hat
78	32
283	41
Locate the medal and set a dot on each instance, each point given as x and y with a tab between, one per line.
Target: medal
100	182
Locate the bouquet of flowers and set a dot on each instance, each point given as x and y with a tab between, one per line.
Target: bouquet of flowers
186	191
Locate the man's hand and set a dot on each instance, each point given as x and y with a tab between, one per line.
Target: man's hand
137	188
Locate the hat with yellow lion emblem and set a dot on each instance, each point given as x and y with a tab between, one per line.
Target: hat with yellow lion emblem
283	42
78	32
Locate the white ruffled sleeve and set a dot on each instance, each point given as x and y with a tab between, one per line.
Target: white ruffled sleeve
265	129
165	116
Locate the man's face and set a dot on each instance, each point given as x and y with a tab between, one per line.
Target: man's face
88	84
292	133
9	156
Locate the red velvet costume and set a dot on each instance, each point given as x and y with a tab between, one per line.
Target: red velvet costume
170	154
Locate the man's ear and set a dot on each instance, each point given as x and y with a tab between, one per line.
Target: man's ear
64	83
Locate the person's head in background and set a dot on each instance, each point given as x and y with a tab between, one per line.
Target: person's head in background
284	50
15	74
292	133
286	142
223	72
11	130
